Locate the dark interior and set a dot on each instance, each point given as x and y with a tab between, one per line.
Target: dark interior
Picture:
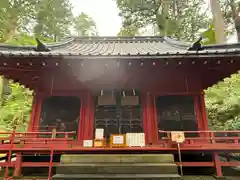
118	118
176	113
62	112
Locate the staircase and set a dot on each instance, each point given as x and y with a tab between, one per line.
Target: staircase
117	166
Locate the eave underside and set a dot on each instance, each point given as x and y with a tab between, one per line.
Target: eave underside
63	73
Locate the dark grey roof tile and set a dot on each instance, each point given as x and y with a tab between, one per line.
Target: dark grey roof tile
117	46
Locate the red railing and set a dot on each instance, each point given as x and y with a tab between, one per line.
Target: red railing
13	138
204	137
193	139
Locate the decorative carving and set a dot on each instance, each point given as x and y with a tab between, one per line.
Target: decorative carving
41	47
197	46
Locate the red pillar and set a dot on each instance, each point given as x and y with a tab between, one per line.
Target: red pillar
87	116
91	117
33	112
39	101
198	113
204	112
154	120
151	122
81	125
79	130
144	116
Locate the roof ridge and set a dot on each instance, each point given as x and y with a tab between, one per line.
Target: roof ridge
30	47
119	38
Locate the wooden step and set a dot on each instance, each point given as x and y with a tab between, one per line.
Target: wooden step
115	176
117	158
120	168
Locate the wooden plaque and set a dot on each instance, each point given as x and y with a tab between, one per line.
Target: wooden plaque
88	143
118	140
99	143
130	101
178	137
106	100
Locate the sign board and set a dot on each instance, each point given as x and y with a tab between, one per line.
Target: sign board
118	140
88	143
178	136
135	139
99	133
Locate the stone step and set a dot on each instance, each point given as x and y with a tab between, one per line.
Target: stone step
117	158
121	168
115	176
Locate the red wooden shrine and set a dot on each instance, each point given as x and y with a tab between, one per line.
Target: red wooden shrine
162	73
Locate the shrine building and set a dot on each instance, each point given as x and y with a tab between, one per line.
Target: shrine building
118	86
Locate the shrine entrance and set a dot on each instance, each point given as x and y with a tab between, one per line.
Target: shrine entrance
60	112
176	113
118	112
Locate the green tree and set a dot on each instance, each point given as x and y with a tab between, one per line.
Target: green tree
180	18
53	19
218	22
85	25
129	31
224	113
16	107
14	16
209	35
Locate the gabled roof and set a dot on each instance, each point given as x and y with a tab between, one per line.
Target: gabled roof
120	47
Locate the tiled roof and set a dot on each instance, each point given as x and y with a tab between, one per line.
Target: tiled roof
119	47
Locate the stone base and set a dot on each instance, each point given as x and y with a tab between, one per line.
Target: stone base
117	166
136	168
116	176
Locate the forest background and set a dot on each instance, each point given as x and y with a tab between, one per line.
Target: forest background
21	21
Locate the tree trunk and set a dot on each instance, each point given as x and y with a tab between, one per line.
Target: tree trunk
218	21
166	16
237	26
235	15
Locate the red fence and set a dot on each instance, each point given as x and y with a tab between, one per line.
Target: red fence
34	142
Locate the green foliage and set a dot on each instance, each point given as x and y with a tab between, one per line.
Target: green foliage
53	19
14	15
15	108
85	25
180	19
129	31
20	22
223	103
209	36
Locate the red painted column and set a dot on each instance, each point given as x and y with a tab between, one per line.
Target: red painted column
204	112
87	116
79	130
144	116
91	117
82	121
33	112
198	113
155	121
39	101
151	121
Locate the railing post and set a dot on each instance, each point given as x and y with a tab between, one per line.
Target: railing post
54	133
17	169
12	138
50	164
212	139
217	163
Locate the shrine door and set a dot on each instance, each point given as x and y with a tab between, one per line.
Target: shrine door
118	114
176	113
